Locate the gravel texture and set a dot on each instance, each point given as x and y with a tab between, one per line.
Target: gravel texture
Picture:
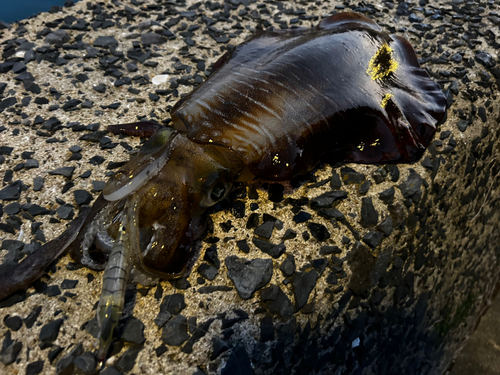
383	268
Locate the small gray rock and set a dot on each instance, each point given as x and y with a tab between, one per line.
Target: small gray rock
249	276
369	215
57	38
86	363
175	331
10	350
411	185
288	266
82	197
49	333
65	212
64	171
38	183
133	331
148	39
106	42
303	284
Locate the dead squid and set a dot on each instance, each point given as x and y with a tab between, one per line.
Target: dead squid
271	109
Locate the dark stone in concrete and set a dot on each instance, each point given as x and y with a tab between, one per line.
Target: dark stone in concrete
133	331
85	363
10	350
269	248
34	368
63	171
373	239
369	216
49	333
325	250
335	182
65	212
243	246
386	226
281	305
411	185
53	291
69	284
14	323
106	42
265	230
249	276
127	360
175	331
82	197
318	231
58	38
301	217
6	103
173	303
303	284
32	316
11	192
211	256
327	199
387	196
38	183
148	39
361	262
288	266
208	271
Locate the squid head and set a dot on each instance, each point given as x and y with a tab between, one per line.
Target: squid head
167	187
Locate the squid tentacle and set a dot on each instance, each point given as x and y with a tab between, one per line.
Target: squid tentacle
115	279
96	234
20	276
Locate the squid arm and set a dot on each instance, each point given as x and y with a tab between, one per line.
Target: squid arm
20	276
115	280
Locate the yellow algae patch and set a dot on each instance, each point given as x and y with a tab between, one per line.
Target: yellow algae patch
385	100
382	63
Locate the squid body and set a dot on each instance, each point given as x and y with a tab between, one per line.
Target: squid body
271	109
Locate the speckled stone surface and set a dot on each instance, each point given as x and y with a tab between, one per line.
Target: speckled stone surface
480	354
388	277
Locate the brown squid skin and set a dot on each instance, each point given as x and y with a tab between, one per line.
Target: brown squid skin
172	203
272	108
20	276
285	98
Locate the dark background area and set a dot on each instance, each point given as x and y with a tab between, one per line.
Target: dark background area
15	10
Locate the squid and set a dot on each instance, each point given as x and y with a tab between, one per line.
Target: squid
272	108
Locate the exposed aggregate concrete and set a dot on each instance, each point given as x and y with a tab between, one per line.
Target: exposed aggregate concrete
391	279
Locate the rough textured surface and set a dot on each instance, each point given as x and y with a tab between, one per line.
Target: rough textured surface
387	275
480	355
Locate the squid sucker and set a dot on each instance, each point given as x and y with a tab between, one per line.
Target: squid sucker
273	107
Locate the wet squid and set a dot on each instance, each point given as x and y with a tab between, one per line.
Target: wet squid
272	108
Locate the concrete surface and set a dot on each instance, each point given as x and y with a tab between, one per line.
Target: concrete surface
425	283
481	354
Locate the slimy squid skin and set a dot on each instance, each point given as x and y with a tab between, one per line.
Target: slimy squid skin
271	109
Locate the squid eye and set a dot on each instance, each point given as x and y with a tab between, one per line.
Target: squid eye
215	187
218	192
